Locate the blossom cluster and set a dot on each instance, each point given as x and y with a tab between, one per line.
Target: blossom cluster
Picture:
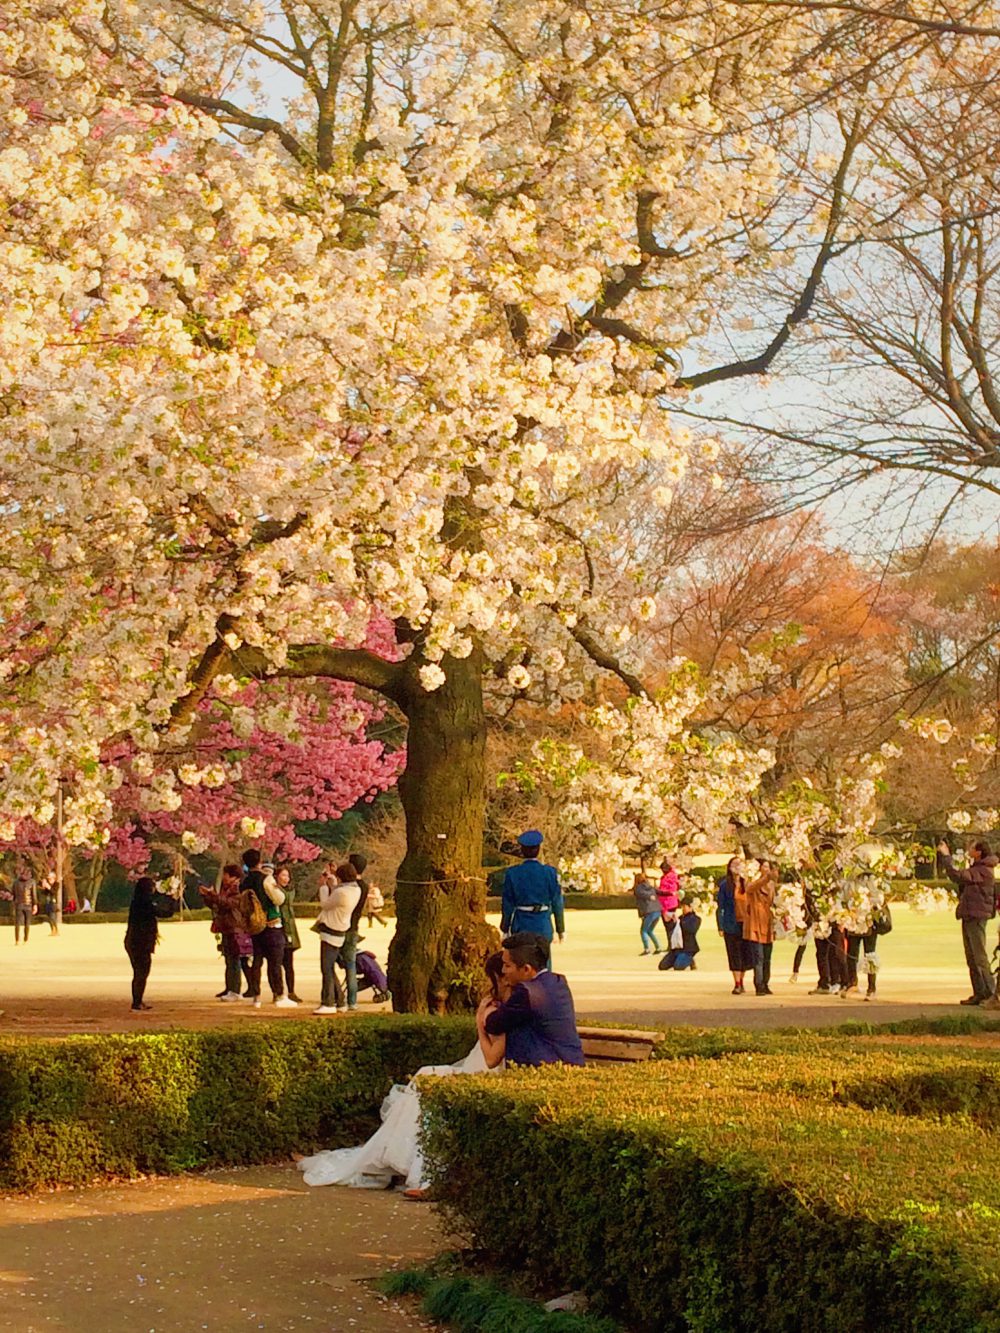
262	387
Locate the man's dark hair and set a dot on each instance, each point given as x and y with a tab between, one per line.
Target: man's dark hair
145	885
983	848
233	871
528	950
529	853
346	873
251	858
359	861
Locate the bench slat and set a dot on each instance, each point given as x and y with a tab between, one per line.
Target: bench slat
616	1050
621	1034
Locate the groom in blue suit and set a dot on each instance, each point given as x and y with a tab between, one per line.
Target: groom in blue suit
538	1019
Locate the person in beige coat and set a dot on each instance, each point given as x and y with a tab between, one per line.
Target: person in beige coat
757	899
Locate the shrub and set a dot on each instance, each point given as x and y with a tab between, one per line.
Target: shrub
967	1091
736	1193
81	1108
479	1305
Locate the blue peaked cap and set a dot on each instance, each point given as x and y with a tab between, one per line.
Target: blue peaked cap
530	839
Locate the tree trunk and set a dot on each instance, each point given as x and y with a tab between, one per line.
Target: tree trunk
442	939
95	876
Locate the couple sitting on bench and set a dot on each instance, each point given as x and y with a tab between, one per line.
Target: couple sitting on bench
527	1020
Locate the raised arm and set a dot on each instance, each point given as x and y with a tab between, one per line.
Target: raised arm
493	1048
513	1013
949	865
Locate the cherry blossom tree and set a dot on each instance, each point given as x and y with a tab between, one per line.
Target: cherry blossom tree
253	764
353	311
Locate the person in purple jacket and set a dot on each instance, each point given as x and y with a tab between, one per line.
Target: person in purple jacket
538	1019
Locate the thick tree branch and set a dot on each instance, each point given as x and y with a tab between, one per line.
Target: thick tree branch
359	666
355	665
602	658
229	112
828	250
956	27
212	661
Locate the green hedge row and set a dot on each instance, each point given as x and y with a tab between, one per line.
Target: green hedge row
803	1184
81	1108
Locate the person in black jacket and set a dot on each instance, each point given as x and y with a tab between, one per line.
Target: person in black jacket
682	959
349	949
977	904
146	910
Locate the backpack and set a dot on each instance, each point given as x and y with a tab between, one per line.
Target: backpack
253	912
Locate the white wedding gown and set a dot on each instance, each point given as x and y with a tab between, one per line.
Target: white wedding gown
394	1149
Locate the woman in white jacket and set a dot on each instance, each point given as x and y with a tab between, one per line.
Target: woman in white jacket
337	901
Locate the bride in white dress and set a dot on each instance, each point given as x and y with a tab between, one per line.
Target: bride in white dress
393	1151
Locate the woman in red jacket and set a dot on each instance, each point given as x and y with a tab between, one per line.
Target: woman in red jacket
668	892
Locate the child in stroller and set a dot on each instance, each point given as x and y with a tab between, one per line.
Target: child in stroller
371	975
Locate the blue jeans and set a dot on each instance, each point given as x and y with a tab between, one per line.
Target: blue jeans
349	962
647	930
332	994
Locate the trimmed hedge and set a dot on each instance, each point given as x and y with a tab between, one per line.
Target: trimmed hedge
744	1191
81	1108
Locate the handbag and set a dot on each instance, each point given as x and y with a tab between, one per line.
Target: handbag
882	920
676	937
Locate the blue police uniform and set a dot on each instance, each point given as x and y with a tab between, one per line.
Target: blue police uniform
531	897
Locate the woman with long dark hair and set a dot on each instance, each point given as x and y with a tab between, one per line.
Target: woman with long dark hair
145	912
729	915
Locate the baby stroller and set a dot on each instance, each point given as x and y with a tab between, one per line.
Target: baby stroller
370	974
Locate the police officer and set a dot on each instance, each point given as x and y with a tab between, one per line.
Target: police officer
531	893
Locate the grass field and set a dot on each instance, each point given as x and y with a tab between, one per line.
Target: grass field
79	980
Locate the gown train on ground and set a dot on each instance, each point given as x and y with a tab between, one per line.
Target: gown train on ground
393	1151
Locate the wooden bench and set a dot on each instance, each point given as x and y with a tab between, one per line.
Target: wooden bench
618	1045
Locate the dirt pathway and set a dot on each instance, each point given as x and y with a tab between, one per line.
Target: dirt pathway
228	1250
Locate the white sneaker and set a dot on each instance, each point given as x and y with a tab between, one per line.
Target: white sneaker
283	1002
231	997
835	989
256	1001
793	978
327	1009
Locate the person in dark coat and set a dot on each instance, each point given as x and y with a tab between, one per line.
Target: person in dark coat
145	912
283	879
977	894
25	903
531	894
229	924
682	959
538	1019
730	923
349	949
